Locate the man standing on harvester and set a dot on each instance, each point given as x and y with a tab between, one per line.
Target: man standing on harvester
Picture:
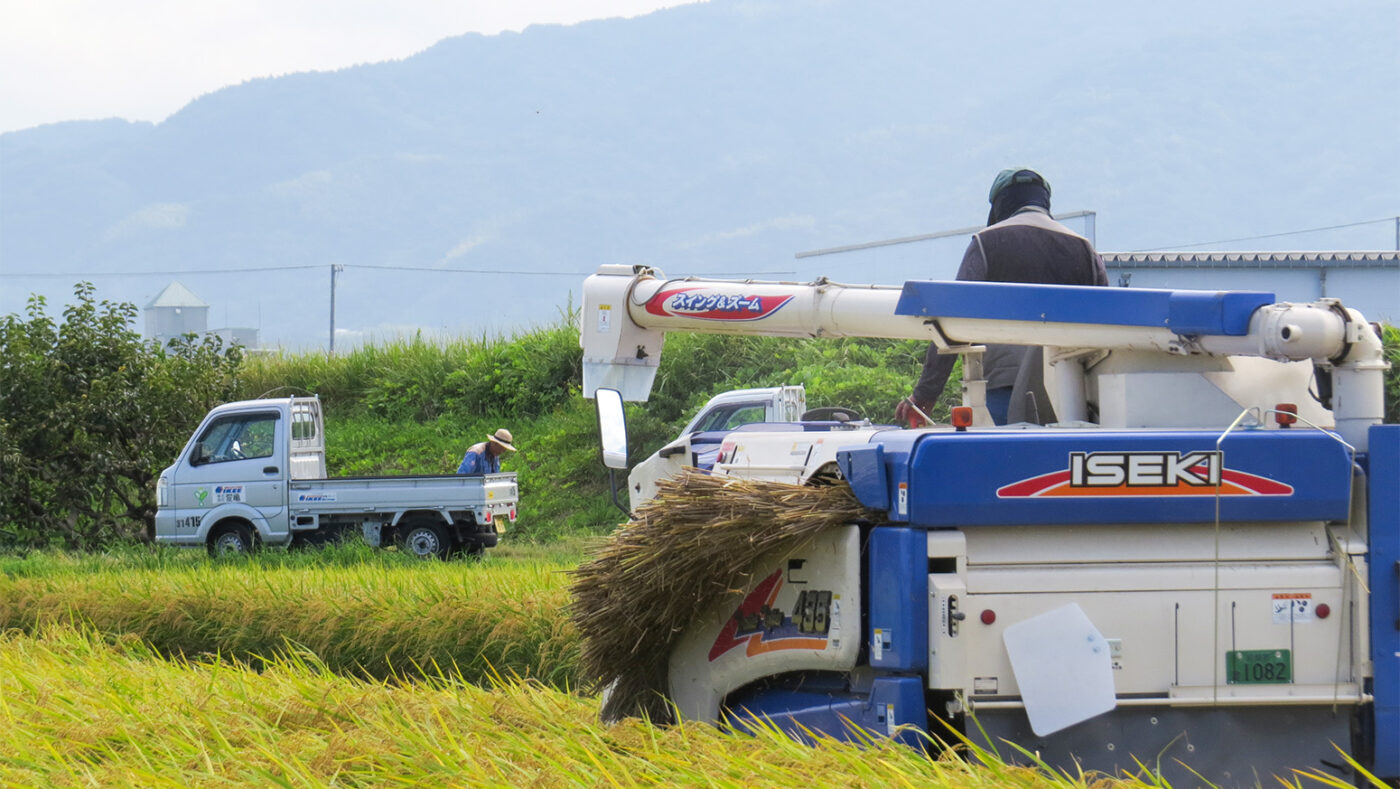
485	458
1020	244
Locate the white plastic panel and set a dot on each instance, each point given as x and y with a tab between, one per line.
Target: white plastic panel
802	612
1063	667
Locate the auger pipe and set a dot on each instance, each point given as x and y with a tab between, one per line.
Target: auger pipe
628	309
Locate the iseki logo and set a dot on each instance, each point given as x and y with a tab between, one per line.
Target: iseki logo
1197	473
1139	469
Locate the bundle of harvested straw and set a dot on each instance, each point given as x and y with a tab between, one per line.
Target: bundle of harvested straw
683	551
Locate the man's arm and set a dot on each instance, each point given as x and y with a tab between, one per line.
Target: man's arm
939	366
1100	272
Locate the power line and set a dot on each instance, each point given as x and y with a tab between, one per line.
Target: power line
429	269
158	273
1269	235
961	231
470	270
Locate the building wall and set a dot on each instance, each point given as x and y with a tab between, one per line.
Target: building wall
167	323
1375	292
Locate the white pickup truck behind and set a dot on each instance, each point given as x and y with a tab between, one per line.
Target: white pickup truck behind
722	413
255	473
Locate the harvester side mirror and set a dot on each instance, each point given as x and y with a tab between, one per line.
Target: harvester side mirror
612	428
612	435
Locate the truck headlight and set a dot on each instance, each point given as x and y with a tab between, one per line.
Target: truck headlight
163	492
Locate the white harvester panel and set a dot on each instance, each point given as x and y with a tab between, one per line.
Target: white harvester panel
802	612
1273	618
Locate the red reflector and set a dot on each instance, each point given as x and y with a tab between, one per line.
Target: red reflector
1285	414
1323	610
488	516
962	417
988	616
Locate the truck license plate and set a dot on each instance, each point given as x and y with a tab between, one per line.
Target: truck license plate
1259	666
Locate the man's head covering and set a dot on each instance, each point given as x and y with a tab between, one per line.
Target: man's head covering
1015	189
502	439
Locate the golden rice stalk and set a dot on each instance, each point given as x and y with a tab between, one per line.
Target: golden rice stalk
684	550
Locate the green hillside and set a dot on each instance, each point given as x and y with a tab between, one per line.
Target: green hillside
411	406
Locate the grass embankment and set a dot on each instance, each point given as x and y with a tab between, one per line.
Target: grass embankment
362	613
82	710
409	406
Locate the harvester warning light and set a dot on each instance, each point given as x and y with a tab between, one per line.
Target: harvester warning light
962	417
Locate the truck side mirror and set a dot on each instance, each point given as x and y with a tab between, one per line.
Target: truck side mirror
612	428
199	455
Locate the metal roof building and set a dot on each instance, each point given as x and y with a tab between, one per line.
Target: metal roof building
177	311
1366	281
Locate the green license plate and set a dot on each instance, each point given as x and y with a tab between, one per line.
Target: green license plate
1259	666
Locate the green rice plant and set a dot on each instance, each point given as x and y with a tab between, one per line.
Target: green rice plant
83	710
380	616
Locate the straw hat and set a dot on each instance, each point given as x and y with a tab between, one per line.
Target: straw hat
502	439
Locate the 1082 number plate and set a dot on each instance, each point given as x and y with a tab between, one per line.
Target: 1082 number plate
1259	666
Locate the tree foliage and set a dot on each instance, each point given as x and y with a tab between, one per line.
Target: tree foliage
89	415
1390	335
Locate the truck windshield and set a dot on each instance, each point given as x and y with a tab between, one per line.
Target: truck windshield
731	416
236	438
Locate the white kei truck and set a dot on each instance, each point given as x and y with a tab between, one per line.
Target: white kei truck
699	441
254	473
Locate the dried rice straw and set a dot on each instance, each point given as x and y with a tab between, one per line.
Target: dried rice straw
690	546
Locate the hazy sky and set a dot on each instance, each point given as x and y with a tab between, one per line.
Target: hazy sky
144	59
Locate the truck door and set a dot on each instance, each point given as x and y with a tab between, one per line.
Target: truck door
238	458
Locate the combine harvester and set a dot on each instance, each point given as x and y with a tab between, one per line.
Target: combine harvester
1192	568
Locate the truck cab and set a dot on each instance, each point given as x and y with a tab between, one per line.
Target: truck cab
236	466
699	443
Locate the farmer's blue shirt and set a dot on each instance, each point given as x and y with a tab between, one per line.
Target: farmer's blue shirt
476	461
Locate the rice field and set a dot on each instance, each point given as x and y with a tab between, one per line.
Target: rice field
80	709
360	612
358	669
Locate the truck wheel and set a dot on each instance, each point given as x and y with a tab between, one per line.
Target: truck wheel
425	539
231	539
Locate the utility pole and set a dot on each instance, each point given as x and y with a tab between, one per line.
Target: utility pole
335	268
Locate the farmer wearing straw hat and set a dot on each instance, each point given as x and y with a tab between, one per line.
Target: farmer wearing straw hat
485	458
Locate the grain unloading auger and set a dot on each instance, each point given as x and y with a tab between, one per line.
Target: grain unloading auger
1164	575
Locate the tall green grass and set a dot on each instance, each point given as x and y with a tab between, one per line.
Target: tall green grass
375	615
410	406
82	710
413	406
